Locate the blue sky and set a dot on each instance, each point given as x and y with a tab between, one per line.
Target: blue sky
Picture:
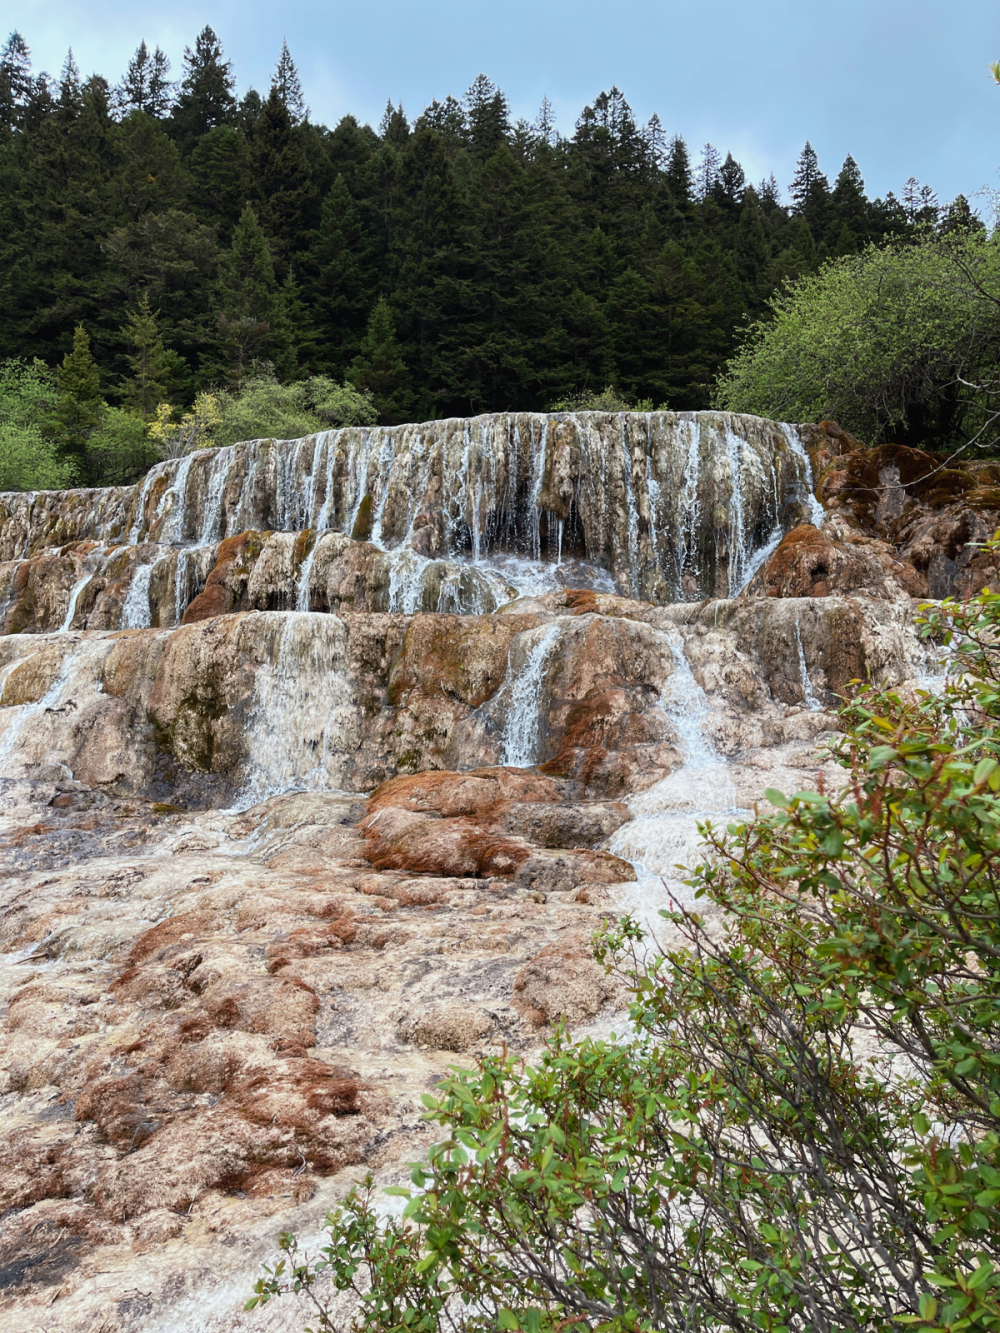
901	84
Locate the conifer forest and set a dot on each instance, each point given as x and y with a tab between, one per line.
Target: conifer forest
448	262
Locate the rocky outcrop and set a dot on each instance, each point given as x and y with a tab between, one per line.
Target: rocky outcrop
899	522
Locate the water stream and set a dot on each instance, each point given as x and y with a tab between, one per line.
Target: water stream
663	833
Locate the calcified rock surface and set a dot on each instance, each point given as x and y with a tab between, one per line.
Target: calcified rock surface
320	762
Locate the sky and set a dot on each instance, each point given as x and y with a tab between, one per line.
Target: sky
902	85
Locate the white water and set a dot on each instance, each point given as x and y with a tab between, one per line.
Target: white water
74	597
663	833
808	693
25	712
522	693
135	610
303	721
798	449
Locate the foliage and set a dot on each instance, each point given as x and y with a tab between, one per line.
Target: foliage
608	400
803	1133
261	408
899	342
518	266
29	459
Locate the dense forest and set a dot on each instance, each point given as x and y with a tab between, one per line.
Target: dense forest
456	264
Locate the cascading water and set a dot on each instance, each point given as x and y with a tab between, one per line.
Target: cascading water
135	610
808	693
303	718
570	492
522	694
663	833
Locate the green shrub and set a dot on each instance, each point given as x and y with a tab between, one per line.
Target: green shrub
802	1133
900	342
29	458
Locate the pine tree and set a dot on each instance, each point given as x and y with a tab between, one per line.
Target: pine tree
15	81
753	251
810	191
959	217
147	386
447	119
487	114
806	180
769	194
145	86
730	185
379	368
708	171
336	284
678	172
656	139
220	172
281	185
206	93
394	129
850	207
253	324
78	409
544	124
285	82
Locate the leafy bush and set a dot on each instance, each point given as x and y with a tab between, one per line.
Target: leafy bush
900	342
608	400
262	408
802	1134
29	459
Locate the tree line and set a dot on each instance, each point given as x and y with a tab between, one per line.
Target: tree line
461	263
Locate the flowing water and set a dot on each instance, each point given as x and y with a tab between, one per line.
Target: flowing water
663	505
663	833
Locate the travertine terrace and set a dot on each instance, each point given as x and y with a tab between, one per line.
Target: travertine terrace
321	762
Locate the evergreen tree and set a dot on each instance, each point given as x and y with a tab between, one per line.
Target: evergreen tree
487	116
850	207
78	410
447	119
656	140
753	252
285	83
253	324
730	185
147	386
769	194
678	172
15	81
544	125
220	174
149	173
206	93
336	285
281	186
708	171
810	191
379	368
145	86
394	128
959	217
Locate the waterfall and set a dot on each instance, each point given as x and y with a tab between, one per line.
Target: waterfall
713	485
26	712
663	833
798	449
135	609
808	693
523	691
173	525
74	597
303	717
